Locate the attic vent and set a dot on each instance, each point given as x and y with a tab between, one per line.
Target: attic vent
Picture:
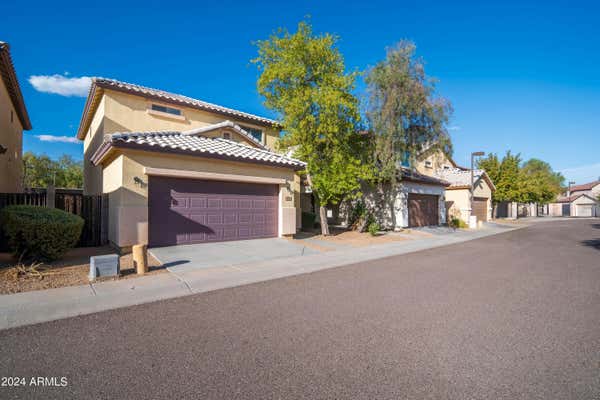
227	135
165	109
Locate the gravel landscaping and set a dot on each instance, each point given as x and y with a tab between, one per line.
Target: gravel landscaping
72	270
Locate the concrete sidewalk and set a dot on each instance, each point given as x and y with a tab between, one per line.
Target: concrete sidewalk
47	305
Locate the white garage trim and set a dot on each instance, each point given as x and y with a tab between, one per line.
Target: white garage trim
179	173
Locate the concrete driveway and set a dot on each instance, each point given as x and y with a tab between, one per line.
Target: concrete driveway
192	257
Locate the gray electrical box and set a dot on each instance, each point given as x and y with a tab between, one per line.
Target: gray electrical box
101	266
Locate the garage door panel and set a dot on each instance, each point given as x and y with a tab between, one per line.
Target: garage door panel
230	218
198	202
195	211
480	208
422	210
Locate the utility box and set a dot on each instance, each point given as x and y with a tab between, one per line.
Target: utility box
101	266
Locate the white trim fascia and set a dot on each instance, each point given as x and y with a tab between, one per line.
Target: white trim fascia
178	173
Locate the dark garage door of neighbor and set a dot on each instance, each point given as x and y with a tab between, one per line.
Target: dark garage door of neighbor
422	210
186	211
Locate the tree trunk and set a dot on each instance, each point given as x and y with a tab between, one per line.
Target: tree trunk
322	210
323	217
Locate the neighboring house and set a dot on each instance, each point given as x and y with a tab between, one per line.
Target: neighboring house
457	194
418	200
13	120
179	170
580	201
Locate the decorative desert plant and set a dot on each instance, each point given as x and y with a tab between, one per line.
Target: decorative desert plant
40	233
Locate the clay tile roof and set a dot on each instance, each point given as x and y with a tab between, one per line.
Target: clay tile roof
9	76
225	124
179	142
412	175
585	186
459	177
159	95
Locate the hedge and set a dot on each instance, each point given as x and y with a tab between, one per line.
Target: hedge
40	233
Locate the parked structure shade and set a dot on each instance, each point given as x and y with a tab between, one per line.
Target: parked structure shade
186	211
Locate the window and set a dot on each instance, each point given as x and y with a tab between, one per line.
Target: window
256	133
11	116
428	164
227	135
446	167
165	109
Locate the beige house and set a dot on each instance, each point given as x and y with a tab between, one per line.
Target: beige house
179	170
579	201
457	194
13	120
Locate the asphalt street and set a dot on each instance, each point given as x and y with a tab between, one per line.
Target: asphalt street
511	316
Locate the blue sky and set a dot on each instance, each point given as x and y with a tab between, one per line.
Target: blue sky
521	75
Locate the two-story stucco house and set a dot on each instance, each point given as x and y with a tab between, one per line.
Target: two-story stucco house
457	194
179	170
13	120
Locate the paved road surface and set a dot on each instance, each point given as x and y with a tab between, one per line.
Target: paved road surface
513	316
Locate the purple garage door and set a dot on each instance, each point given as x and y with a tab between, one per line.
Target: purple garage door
185	211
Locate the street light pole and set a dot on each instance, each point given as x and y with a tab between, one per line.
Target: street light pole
472	189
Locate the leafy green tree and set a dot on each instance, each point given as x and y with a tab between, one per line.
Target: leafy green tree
40	171
531	182
506	175
405	116
304	80
542	184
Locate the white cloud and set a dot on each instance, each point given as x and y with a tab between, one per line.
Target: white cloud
454	128
61	84
62	139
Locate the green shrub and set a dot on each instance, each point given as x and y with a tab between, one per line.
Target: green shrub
373	228
308	220
357	212
457	223
40	233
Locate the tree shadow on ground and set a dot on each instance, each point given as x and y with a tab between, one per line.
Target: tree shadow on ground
595	243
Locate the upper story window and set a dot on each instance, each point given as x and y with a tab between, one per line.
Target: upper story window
227	135
428	164
11	116
256	133
165	109
446	166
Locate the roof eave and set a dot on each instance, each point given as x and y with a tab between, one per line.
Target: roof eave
106	147
250	119
7	70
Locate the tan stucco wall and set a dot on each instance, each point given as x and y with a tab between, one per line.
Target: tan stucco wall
437	160
121	112
128	201
92	175
11	137
458	200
